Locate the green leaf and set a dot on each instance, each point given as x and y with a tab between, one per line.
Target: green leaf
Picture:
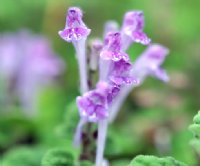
195	128
58	157
196	145
196	119
142	160
23	156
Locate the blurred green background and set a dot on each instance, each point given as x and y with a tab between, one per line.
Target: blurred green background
155	117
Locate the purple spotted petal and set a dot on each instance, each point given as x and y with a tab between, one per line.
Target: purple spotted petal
132	29
114	55
140	37
121	66
75	29
93	105
112	48
74	34
88	109
113	41
120	80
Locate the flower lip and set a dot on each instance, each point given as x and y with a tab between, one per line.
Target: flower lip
74	34
133	26
112	48
75	29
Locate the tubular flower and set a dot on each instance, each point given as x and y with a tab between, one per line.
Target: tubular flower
93	105
132	29
119	64
149	63
112	48
75	29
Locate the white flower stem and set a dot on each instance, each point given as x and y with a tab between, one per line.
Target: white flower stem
117	103
102	131
104	69
77	136
82	61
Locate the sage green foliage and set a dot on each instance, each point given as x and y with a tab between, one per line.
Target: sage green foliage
143	160
195	128
23	156
196	145
58	157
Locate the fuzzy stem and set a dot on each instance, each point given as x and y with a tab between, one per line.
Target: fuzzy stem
78	132
117	103
103	69
102	131
80	47
115	107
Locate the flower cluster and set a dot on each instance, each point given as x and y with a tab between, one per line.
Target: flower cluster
116	71
27	63
114	63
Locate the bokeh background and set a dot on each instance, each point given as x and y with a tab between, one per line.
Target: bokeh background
154	118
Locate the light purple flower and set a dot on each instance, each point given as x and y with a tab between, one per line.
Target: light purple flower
93	105
120	73
75	29
28	64
112	48
149	63
132	29
118	65
115	69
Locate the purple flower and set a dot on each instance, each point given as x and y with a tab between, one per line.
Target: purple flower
9	60
75	29
115	69
120	73
119	65
112	48
93	105
149	63
132	29
28	64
